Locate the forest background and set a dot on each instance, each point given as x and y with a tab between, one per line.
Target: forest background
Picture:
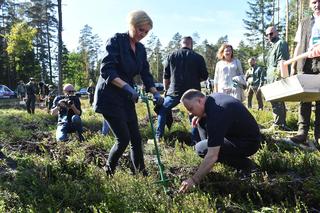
31	44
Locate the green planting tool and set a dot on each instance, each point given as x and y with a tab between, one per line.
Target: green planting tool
163	179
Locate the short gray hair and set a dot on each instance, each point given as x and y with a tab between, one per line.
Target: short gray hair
191	94
138	17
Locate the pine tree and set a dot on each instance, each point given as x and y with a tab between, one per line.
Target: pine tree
154	54
173	45
89	47
42	17
259	18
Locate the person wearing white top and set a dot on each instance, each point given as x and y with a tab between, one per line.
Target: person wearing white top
226	71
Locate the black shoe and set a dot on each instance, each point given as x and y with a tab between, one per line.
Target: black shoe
108	170
299	139
81	138
144	173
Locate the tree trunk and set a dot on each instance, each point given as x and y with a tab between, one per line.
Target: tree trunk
278	12
273	11
287	20
60	47
301	11
48	44
263	28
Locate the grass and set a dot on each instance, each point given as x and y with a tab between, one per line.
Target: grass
40	175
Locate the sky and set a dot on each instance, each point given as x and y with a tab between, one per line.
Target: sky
211	19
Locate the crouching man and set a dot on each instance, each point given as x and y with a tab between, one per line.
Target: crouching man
68	109
233	133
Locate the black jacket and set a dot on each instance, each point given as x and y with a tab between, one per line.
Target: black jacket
120	61
185	69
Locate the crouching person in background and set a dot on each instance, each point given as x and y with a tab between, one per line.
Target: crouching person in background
68	109
233	133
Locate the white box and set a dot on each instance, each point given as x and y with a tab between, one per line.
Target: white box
301	87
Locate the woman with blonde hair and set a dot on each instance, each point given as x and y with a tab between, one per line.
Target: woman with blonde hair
228	76
115	96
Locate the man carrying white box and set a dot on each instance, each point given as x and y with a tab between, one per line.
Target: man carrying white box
307	36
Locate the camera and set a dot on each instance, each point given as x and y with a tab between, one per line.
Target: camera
68	101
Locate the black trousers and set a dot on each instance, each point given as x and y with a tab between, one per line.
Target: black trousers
305	117
231	154
305	107
31	104
279	112
91	96
125	132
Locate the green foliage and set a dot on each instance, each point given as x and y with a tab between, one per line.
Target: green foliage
73	72
20	49
155	57
89	45
20	39
69	177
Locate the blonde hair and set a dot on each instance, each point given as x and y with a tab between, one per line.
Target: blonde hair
221	50
139	17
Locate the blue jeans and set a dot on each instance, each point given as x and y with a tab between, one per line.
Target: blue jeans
64	128
105	127
168	104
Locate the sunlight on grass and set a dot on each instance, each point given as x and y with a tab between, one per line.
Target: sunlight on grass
70	177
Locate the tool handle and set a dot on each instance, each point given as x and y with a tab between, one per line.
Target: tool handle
296	58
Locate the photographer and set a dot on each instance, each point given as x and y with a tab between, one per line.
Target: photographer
68	109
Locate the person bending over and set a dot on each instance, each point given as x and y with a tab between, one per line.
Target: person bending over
233	133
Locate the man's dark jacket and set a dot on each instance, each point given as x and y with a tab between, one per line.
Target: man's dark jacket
185	69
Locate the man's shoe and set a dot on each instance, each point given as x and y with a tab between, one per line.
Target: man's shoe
299	139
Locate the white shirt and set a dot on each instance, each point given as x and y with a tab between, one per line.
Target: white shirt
224	73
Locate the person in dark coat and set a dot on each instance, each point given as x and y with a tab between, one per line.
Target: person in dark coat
31	89
50	97
90	91
115	96
184	69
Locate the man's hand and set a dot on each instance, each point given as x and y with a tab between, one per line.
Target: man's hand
195	121
315	52
186	185
62	103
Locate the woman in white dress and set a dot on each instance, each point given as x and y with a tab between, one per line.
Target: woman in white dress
228	77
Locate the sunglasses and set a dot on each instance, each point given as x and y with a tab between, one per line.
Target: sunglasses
71	91
270	34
